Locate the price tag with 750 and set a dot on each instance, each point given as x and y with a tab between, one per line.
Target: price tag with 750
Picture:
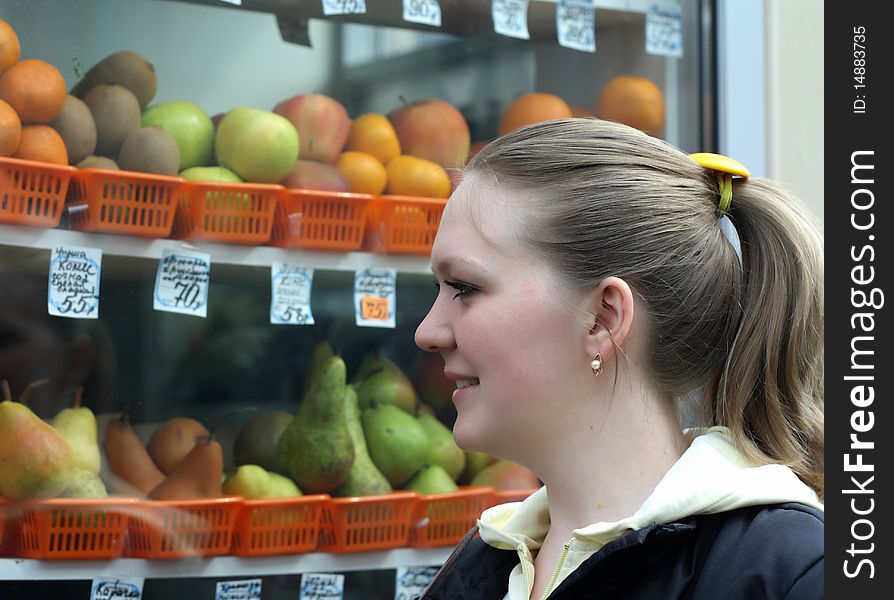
375	297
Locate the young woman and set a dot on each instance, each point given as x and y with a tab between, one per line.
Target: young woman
651	347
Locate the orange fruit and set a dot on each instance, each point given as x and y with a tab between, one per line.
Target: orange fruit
10	129
35	89
413	176
531	108
374	134
581	111
634	101
363	171
42	143
10	50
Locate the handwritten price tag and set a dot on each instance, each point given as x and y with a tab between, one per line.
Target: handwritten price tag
322	586
344	7
576	24
117	589
290	298
511	18
375	297
73	289
181	283
411	581
247	589
426	12
664	30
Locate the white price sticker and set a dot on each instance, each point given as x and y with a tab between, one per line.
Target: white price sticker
511	18
344	7
73	289
322	586
375	297
664	30
576	24
117	589
410	582
290	298
181	283
425	12
247	589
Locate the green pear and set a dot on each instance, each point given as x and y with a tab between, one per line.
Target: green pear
444	451
364	479
316	450
381	381
431	479
322	352
78	426
249	481
475	462
85	484
398	444
256	441
282	487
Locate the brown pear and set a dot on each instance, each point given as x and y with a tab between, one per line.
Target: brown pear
198	476
173	440
128	459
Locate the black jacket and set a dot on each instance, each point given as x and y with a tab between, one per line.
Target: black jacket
754	553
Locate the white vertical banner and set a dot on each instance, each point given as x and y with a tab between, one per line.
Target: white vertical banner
576	24
511	18
344	7
664	30
107	588
322	586
73	289
246	589
290	294
424	12
181	282
375	297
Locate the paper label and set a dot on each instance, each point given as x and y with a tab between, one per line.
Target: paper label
73	289
117	589
576	24
511	18
410	582
322	586
426	12
290	297
375	297
344	7
664	30
181	283
247	589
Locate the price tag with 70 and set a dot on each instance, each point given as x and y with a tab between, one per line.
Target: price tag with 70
576	24
181	283
375	297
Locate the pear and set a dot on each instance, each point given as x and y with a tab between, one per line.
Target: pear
475	462
78	426
85	484
398	444
35	460
128	460
506	475
249	481
443	452
431	479
198	476
255	443
316	450
364	479
380	380
282	487
322	352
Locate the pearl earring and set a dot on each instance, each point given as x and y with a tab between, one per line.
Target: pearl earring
596	364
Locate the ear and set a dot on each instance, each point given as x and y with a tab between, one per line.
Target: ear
612	307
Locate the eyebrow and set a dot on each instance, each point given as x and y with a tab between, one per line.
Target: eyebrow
444	265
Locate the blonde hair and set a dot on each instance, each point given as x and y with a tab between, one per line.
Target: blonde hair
613	201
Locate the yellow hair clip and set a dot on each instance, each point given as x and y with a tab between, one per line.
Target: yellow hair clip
726	167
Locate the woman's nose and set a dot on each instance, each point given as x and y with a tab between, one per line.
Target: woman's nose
434	333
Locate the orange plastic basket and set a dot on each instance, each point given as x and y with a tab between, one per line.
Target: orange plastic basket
443	519
125	202
278	526
320	220
234	213
33	193
174	529
401	224
69	529
362	523
504	496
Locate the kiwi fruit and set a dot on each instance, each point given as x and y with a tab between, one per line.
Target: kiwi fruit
76	127
124	68
97	162
116	113
150	150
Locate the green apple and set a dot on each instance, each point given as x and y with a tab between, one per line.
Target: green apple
221	174
260	146
189	125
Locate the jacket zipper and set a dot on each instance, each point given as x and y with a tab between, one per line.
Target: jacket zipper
552	580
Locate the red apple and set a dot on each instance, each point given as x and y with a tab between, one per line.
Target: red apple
312	175
322	123
432	129
505	475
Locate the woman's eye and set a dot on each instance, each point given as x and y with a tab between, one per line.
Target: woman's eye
462	289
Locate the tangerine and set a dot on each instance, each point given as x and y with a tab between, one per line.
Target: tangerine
374	134
35	89
532	108
363	171
10	129
414	176
634	101
10	50
42	143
